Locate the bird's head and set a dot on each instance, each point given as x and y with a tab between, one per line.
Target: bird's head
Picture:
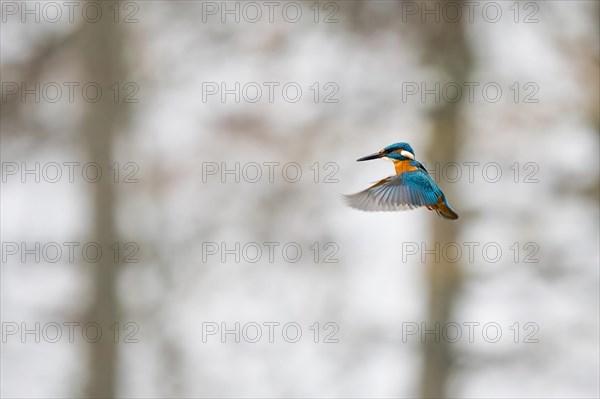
394	152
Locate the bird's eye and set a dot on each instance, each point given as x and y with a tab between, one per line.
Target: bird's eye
407	154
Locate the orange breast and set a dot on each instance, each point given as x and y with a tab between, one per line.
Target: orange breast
403	166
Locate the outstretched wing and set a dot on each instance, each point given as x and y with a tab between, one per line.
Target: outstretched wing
404	191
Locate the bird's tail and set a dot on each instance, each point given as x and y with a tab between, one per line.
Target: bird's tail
444	209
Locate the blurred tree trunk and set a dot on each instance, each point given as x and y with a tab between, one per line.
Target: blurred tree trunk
102	56
445	47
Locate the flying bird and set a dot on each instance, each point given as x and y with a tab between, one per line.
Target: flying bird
411	187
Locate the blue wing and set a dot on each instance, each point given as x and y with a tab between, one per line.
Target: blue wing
404	191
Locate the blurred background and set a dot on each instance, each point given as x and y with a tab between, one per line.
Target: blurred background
172	218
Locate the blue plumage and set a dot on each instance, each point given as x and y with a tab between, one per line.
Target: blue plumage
390	149
410	188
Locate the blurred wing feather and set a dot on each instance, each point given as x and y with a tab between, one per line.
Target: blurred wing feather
405	191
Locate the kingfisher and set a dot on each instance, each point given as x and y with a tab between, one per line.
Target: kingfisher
411	187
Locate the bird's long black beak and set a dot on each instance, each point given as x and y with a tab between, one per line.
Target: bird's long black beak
372	156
